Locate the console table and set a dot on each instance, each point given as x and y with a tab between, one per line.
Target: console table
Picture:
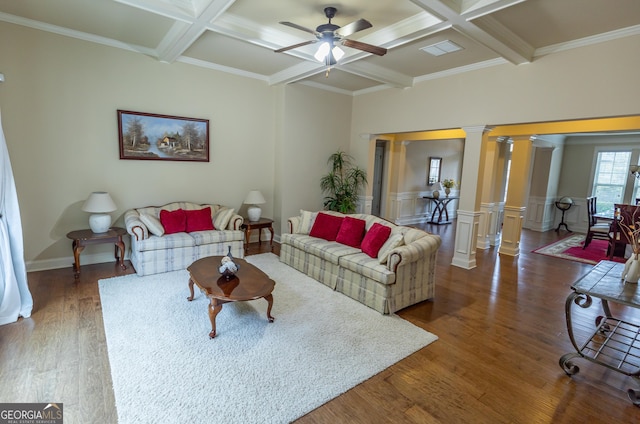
614	343
440	208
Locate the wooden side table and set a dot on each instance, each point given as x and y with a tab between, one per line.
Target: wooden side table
82	238
247	226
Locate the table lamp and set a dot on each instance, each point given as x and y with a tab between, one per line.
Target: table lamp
99	204
254	198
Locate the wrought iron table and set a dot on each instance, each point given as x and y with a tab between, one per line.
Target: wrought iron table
440	208
614	343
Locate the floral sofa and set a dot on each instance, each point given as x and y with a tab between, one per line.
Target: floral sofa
171	237
382	265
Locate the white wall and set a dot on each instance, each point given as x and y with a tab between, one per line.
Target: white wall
59	105
60	98
587	82
316	123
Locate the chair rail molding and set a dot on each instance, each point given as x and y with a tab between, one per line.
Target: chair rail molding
540	213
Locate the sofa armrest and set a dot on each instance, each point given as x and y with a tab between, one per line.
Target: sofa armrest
135	227
294	223
420	249
235	222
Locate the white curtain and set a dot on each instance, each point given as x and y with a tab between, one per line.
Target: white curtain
15	298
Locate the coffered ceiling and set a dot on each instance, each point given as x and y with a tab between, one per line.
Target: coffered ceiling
240	36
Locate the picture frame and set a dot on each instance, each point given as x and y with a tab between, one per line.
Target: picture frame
150	136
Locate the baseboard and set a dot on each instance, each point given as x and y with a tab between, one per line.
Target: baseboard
67	262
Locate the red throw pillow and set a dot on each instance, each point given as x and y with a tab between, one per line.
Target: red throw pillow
351	231
326	226
374	239
199	220
173	221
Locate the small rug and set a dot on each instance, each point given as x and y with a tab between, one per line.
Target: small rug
571	248
166	369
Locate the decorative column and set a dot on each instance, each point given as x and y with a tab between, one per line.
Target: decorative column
484	226
503	145
468	220
495	233
492	192
516	195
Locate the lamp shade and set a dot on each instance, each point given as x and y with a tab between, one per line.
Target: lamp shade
99	204
254	198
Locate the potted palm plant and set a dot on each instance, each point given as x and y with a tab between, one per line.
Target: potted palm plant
342	183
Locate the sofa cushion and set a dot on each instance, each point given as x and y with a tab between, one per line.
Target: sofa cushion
394	240
168	241
328	250
216	236
173	221
306	221
326	226
222	217
374	239
199	220
351	231
363	264
153	224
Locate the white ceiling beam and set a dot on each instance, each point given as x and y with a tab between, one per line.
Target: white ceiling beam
518	54
378	73
176	42
296	73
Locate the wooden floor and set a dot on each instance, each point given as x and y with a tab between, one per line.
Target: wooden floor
501	329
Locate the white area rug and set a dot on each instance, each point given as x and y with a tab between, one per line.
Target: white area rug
166	369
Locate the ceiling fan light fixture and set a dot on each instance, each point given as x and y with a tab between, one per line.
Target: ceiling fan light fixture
337	52
322	52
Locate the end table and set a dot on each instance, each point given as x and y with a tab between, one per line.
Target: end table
82	238
247	226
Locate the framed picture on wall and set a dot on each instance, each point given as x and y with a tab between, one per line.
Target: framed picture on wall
148	136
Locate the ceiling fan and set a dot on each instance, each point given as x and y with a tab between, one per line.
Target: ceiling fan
330	35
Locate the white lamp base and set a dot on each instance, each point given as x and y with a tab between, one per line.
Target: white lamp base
100	222
254	213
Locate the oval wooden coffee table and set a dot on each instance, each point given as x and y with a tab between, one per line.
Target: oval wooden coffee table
249	283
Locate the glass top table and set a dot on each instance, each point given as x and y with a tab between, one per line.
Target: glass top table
614	343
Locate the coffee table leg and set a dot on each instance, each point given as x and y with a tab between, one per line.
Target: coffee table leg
214	309
269	298
190	298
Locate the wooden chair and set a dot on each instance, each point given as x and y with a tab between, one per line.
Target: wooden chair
597	230
619	237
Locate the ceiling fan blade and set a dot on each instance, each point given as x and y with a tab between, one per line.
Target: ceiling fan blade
300	27
380	51
295	46
356	26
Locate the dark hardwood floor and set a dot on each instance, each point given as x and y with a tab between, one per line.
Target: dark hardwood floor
501	329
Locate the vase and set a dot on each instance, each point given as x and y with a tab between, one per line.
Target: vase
631	272
447	191
435	194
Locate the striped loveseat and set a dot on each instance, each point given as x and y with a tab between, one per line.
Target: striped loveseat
400	275
153	251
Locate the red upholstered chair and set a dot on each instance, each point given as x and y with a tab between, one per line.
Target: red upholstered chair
597	230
